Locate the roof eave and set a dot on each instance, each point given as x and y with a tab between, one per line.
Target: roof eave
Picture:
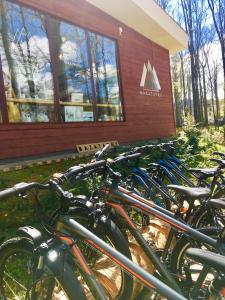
147	18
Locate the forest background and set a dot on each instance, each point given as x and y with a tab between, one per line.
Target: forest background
198	73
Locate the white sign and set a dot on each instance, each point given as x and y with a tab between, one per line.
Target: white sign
149	84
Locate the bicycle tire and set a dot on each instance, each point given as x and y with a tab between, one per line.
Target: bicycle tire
70	285
178	255
203	217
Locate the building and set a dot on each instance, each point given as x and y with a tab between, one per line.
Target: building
84	71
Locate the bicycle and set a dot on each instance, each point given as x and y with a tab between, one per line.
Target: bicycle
66	237
116	197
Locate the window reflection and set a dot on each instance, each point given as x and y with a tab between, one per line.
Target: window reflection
73	71
26	64
103	52
27	73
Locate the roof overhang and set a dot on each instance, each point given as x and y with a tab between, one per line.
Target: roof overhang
147	18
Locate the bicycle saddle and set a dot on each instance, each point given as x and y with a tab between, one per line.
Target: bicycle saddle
205	257
222	154
217	203
220	162
206	172
190	192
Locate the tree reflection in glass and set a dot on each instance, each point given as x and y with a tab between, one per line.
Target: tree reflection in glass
26	64
105	70
73	71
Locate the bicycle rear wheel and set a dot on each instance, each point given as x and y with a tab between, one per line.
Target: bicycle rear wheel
187	270
16	256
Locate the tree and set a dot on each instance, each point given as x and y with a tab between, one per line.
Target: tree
56	53
165	4
6	45
194	85
176	66
195	15
217	8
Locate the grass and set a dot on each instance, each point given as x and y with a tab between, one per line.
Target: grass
15	212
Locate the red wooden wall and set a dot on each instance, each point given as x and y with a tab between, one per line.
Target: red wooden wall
145	116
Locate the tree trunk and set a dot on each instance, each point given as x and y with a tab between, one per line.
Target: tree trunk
183	84
29	64
56	54
205	97
10	61
215	81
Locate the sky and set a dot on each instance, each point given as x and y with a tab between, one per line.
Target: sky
215	53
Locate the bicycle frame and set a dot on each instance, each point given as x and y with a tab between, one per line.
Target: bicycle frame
178	162
175	165
118	197
77	231
146	181
174	169
125	197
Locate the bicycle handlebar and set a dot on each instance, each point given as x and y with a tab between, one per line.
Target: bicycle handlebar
76	170
73	171
126	158
7	193
20	188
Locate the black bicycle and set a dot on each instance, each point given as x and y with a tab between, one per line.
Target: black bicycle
63	249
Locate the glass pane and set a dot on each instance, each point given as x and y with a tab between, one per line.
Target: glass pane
103	52
26	64
73	71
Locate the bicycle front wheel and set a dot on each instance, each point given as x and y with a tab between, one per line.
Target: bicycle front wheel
16	273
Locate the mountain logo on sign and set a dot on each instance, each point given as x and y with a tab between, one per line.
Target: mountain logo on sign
149	79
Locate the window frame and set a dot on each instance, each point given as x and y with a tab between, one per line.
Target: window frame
56	91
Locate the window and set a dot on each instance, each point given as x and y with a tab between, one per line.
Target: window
103	53
85	69
26	64
73	71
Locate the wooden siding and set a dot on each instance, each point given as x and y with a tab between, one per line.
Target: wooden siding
145	116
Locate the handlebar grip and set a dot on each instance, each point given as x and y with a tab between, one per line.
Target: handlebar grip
136	149
126	158
119	159
95	165
18	188
133	156
141	149
8	193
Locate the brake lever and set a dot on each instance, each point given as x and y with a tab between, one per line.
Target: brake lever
23	195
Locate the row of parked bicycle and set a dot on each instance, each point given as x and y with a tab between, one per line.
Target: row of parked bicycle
93	245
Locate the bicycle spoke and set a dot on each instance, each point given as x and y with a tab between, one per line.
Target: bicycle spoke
14	280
